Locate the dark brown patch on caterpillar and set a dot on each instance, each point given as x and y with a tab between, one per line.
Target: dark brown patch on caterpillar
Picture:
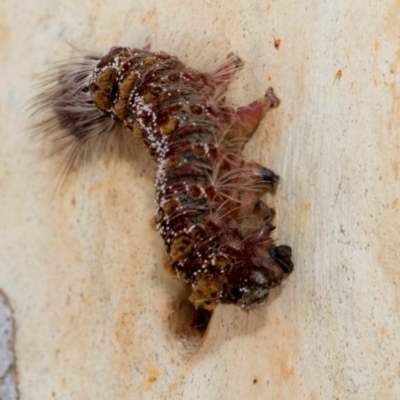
215	227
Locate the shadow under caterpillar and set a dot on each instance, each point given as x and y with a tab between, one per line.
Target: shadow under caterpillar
215	227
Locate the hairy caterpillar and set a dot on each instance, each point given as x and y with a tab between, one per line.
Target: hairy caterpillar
215	227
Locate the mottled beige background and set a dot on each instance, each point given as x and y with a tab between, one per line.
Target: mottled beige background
83	267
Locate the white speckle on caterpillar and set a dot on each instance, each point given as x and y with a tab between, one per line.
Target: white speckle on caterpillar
215	227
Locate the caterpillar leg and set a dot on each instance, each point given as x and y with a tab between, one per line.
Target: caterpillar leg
282	255
260	177
262	210
250	182
256	178
248	117
250	204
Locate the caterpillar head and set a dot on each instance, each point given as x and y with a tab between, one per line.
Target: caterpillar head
248	286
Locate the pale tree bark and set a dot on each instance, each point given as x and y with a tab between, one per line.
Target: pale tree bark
96	315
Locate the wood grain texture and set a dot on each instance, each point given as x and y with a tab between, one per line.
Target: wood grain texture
83	268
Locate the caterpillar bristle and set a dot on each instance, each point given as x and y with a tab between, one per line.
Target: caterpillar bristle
71	123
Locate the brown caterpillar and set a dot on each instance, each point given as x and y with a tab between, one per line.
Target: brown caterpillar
215	227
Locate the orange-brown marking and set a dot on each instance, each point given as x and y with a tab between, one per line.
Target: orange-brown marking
196	110
125	54
149	61
121	109
175	77
169	126
205	292
151	95
105	79
195	192
126	86
199	150
104	83
169	268
181	247
170	206
221	261
198	232
137	130
172	162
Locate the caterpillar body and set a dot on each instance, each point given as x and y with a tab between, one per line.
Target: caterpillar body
215	227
